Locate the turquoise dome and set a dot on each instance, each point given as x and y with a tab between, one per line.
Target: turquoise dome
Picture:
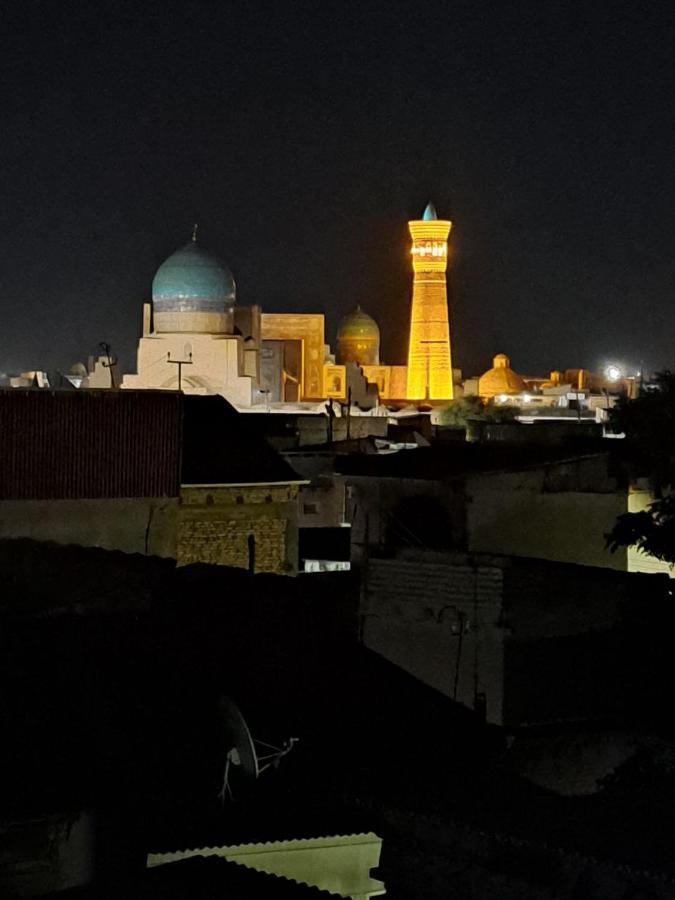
192	280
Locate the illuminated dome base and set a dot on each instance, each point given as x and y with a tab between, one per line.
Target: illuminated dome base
191	322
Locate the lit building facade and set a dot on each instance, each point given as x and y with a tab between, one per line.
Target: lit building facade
429	359
196	338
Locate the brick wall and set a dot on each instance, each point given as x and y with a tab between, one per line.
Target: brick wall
215	524
439	619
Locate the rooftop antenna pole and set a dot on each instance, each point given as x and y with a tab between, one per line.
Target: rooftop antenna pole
349	411
180	363
111	364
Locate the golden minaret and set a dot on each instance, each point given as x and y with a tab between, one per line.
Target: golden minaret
429	358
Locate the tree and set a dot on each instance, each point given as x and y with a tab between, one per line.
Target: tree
648	423
464	410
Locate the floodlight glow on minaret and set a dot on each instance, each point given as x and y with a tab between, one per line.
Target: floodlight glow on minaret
429	357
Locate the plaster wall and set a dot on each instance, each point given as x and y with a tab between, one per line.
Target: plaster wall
322	501
217	365
139	525
524	514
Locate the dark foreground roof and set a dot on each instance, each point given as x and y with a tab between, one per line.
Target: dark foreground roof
116	708
439	463
221	446
89	444
200	879
96	444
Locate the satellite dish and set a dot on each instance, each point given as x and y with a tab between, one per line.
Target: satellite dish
245	759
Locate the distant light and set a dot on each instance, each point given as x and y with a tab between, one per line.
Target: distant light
502	398
526	398
612	373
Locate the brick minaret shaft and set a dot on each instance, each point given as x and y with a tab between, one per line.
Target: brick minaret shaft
429	358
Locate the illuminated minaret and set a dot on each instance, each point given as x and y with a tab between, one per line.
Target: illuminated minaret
429	359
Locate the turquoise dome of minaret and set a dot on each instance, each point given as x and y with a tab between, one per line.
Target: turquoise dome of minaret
193	291
429	214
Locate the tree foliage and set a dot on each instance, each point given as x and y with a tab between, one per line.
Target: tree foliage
649	426
464	410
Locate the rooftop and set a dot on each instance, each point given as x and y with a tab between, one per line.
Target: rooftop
440	463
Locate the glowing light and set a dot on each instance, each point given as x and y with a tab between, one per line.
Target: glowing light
613	373
429	248
502	398
526	398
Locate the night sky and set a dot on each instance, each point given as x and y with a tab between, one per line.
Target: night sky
302	136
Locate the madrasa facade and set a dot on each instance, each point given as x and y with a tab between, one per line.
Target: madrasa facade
198	339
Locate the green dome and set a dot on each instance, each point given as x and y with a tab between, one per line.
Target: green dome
359	339
358	324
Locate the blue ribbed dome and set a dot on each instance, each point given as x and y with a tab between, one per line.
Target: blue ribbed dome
192	280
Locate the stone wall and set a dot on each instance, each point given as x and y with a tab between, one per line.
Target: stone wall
215	525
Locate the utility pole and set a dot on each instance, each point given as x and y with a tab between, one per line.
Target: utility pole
349	411
111	364
180	363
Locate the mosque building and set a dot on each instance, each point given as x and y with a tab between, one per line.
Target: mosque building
198	339
189	339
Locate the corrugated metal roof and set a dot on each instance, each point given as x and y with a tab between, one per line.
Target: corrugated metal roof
89	444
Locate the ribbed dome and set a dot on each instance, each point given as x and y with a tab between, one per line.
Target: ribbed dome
193	291
359	339
358	324
500	379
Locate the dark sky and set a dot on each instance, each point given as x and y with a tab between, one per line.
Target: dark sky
302	136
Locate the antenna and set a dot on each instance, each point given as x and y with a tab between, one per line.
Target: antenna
180	363
111	364
245	758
